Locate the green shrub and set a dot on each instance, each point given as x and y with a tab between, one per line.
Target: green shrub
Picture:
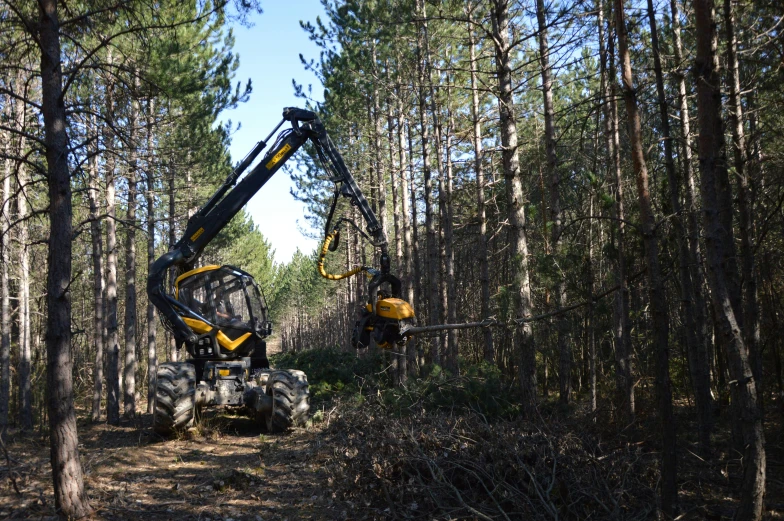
332	371
481	389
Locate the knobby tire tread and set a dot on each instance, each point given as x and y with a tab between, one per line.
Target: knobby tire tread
175	391
291	400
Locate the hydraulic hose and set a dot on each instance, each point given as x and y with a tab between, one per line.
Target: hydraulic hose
331	276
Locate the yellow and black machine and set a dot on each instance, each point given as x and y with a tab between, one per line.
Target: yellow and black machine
219	314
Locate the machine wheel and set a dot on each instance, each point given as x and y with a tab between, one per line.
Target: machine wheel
290	400
175	393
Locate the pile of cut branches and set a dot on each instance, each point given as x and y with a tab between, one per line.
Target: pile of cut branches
436	465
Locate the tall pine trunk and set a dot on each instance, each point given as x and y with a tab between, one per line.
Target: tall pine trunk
416	288
449	250
5	297
408	279
698	363
523	337
432	263
559	289
656	292
113	345
129	375
398	362
488	350
447	308
695	253
70	499
622	332
751	322
173	347
378	126
408	282
720	247
98	280
394	177
396	169
591	314
22	197
152	354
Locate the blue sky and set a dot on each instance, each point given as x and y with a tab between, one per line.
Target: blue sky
269	55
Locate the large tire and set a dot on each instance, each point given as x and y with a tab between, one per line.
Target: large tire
175	393
290	400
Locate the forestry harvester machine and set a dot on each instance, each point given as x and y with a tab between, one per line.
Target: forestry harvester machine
218	313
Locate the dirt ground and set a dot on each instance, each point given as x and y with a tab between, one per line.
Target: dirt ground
228	469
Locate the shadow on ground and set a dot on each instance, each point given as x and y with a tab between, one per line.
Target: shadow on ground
226	469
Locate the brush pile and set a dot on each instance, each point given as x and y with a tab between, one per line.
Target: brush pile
437	465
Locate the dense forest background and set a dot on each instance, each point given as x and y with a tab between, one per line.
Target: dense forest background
597	183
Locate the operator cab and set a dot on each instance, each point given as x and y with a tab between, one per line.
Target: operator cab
226	309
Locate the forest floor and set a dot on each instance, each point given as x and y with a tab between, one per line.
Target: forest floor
228	469
225	469
371	455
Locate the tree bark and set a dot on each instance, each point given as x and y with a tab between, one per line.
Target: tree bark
22	197
695	253
751	323
174	351
408	248
129	375
523	338
440	288
415	288
556	218
591	316
70	499
394	175
772	306
656	292
408	287
445	254
623	339
378	126
98	281
112	346
449	260
152	330
488	351
397	170
698	363
398	362
423	69
719	249
5	296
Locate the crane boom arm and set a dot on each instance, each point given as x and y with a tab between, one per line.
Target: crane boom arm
229	199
